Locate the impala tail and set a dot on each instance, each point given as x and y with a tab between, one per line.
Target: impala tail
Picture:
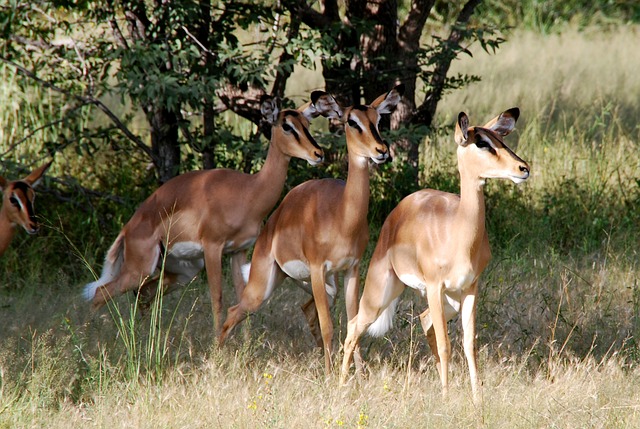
384	322
110	269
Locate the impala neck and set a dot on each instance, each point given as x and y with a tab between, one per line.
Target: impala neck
470	218
7	229
270	180
355	199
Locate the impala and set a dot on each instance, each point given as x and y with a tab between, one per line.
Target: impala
320	229
193	219
17	206
436	243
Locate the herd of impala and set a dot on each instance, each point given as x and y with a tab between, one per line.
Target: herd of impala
434	242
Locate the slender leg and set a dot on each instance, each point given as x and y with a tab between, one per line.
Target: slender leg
149	289
139	262
213	264
381	288
427	327
435	297
265	275
468	315
237	261
324	314
311	314
351	295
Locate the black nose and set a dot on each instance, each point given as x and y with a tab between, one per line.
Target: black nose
524	169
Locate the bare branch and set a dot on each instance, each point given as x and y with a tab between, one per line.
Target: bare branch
425	113
31	134
87	100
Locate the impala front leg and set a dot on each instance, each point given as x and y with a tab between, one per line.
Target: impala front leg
468	316
324	313
264	277
213	264
435	298
351	294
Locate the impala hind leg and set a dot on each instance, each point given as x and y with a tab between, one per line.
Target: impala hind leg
126	268
264	276
311	312
434	323
149	289
238	260
380	294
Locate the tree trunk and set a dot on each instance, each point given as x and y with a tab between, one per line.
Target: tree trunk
164	142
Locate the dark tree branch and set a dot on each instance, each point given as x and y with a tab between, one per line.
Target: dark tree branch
311	17
244	103
115	28
425	113
411	30
282	74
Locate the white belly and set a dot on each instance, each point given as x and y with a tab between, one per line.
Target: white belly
298	270
185	259
414	282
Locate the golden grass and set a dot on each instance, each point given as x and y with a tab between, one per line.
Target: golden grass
557	321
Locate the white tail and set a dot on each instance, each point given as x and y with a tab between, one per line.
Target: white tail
436	243
384	322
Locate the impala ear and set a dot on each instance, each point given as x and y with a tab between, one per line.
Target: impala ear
462	129
269	109
386	103
34	178
322	103
504	123
3	183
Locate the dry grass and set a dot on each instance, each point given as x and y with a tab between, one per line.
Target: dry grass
558	315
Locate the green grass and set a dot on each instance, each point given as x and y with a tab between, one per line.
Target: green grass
558	316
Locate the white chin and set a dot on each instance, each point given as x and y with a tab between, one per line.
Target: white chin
314	162
378	160
518	180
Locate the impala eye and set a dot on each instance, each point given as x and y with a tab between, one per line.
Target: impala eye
14	202
483	144
286	127
353	124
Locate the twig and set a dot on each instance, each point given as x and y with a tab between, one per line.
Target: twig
88	100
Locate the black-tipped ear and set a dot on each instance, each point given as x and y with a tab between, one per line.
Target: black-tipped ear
400	88
462	129
515	112
269	109
315	96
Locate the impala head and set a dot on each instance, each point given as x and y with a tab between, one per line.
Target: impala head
482	151
363	137
290	127
18	197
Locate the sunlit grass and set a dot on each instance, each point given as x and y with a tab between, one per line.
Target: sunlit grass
558	316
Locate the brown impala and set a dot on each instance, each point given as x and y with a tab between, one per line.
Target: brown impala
436	243
195	218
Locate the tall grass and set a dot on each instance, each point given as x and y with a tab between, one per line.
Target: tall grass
558	315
